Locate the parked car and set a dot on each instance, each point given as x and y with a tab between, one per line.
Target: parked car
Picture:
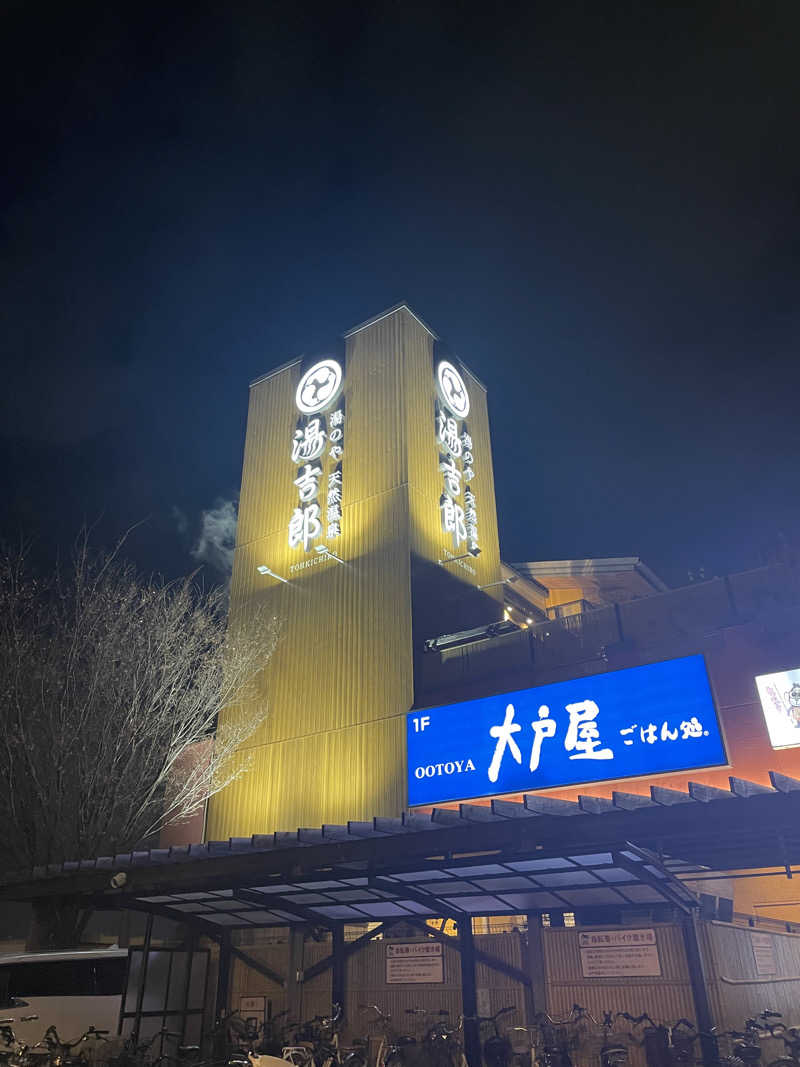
70	990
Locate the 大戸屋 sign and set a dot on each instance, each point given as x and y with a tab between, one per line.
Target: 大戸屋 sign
645	720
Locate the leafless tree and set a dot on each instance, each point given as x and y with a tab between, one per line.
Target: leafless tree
124	704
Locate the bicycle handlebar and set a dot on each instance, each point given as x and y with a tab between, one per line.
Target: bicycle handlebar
51	1035
382	1015
576	1013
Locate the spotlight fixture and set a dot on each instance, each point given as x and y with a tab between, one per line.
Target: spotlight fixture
472	554
503	581
262	568
325	551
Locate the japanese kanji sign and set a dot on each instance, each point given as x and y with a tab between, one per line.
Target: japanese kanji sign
617	953
318	440
654	719
763	952
457	504
417	961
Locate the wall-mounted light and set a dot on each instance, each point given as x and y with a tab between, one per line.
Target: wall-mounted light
472	554
325	552
262	568
503	581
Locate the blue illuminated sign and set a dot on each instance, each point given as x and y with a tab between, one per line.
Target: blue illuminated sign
640	721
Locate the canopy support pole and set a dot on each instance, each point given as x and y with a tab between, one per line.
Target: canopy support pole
469	993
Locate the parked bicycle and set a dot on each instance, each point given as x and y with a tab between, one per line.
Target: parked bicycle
496	1046
316	1042
136	1053
440	1045
389	1052
746	1044
15	1053
790	1036
63	1053
555	1039
666	1044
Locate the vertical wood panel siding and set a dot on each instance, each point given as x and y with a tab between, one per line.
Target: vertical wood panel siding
338	686
428	541
729	952
666	998
267	494
366	984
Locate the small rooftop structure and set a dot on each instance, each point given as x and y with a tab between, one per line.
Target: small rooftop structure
600	581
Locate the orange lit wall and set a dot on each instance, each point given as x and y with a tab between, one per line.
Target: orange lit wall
747	626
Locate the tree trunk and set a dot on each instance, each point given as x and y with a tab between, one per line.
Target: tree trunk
56	923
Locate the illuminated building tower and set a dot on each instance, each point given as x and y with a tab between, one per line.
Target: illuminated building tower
362	471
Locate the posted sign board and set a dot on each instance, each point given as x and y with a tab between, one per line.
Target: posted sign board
640	721
780	701
763	953
253	1008
619	954
415	962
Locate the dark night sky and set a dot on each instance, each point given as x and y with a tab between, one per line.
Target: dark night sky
596	205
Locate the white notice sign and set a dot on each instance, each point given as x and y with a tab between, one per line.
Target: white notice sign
253	1008
419	961
619	953
764	953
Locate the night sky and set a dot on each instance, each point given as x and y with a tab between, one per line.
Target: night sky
596	205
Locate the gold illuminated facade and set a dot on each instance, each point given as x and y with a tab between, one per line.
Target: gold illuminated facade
376	541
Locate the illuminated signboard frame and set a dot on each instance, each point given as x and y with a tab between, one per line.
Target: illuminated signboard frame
655	719
779	694
318	441
458	510
327	376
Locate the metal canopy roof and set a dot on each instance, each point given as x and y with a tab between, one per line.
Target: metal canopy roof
540	854
630	876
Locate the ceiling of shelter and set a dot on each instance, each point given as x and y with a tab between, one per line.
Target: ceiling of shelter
536	883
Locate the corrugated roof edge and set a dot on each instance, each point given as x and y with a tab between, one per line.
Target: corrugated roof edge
586	567
533	806
406	307
271	373
362	326
402	306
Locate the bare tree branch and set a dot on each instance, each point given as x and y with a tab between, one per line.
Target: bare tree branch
124	704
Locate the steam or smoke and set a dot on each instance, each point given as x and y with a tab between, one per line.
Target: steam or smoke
217	536
181	522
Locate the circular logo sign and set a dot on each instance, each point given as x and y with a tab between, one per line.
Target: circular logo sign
454	392
319	386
